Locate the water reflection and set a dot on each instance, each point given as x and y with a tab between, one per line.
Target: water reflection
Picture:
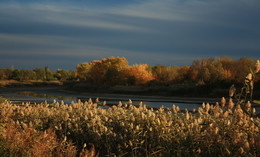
41	95
110	100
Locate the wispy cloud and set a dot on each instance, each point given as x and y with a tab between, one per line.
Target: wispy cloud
151	31
64	15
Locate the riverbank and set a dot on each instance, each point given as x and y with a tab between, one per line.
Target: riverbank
177	90
30	83
39	94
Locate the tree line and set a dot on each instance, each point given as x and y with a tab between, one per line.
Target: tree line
116	71
40	74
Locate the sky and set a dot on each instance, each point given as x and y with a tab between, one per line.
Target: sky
64	33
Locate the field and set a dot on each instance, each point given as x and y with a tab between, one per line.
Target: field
90	129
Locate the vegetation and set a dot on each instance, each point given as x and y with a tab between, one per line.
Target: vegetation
36	74
58	129
1	99
126	130
116	71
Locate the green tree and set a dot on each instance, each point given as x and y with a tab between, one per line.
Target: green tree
40	73
48	74
63	75
27	75
16	75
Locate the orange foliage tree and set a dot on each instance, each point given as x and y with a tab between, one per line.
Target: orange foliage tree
140	74
185	73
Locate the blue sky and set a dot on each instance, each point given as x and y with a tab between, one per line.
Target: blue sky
63	33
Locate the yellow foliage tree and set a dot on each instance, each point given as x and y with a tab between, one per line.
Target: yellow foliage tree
82	71
110	71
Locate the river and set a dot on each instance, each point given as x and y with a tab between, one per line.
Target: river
41	94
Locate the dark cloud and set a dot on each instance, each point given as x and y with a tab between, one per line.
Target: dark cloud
149	31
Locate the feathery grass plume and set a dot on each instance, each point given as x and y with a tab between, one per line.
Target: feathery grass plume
203	105
257	66
223	102
253	111
187	115
88	153
110	130
30	142
232	90
249	78
207	107
119	104
216	109
177	109
230	104
216	130
140	104
248	106
241	150
225	115
66	116
90	101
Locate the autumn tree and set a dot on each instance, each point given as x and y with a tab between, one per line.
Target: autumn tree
96	73
165	74
82	71
110	71
229	66
209	70
116	71
185	74
6	74
242	68
140	74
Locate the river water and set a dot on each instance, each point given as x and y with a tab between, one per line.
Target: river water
41	94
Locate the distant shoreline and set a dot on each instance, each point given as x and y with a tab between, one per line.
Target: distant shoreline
30	83
174	90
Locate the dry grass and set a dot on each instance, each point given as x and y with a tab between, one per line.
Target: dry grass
126	130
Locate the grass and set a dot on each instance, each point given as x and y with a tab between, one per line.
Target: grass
2	99
127	130
256	101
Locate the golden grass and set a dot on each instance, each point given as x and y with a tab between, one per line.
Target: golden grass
126	130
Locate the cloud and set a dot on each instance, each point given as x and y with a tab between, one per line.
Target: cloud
155	32
64	15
